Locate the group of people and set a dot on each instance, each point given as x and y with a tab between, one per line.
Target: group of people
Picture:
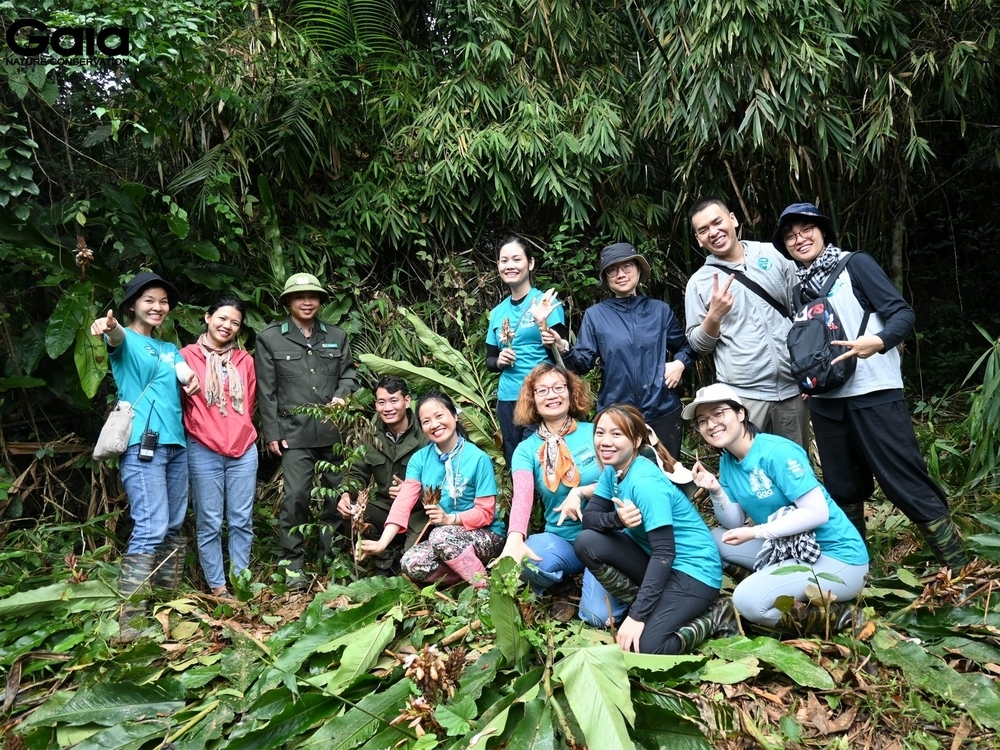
615	500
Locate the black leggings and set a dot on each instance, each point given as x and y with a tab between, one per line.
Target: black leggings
682	599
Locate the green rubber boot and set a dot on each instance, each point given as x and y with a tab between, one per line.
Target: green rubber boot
616	583
133	583
812	621
169	563
945	540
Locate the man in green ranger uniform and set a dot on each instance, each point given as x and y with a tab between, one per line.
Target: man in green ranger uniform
301	360
397	437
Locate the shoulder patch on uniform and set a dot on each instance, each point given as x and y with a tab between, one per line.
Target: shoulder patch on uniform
322	326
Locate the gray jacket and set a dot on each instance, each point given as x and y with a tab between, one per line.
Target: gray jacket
750	353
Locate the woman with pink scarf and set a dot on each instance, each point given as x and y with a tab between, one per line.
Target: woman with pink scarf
222	457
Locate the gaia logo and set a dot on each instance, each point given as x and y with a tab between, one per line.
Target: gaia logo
31	38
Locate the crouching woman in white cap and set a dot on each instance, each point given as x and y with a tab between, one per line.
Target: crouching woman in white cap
767	479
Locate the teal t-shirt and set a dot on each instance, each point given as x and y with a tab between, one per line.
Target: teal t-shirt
776	472
527	341
474	478
581	445
662	504
138	361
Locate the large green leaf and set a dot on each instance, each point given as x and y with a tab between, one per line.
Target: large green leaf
69	316
974	693
596	683
360	723
534	731
437	344
91	360
506	615
789	660
80	597
109	704
337	626
656	728
363	649
129	736
297	717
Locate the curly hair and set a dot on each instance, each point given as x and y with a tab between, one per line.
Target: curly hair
580	399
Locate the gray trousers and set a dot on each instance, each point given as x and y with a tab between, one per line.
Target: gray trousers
755	596
298	467
788	418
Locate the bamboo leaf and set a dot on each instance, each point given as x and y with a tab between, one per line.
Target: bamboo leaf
363	650
423	376
297	717
596	683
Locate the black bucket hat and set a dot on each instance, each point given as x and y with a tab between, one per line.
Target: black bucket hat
619	253
797	212
144	280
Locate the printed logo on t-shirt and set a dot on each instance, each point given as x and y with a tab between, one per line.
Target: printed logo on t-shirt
584	457
795	468
763	263
760	484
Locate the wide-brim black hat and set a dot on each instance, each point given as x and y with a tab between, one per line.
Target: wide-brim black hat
798	212
144	280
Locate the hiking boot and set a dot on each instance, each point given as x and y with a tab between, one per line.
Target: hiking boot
133	584
945	540
616	583
169	563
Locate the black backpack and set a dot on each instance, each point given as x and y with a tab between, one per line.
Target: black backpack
810	338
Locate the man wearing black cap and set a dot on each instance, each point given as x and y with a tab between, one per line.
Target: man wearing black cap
744	331
301	360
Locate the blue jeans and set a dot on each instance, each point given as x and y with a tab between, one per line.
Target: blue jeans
559	560
157	495
222	483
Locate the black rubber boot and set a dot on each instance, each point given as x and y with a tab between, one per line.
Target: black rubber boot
945	540
133	583
616	583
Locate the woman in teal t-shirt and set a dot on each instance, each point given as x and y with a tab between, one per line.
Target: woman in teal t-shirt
768	479
558	462
454	480
513	340
665	564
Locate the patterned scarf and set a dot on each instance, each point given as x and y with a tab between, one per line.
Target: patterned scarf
219	367
812	278
555	458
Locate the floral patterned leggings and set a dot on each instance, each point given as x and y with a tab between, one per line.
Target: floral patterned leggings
447	543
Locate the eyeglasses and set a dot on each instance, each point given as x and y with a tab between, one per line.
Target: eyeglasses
545	390
626	267
715	416
805	233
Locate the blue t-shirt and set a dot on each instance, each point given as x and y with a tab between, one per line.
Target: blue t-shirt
776	472
527	341
581	445
138	361
474	478
662	504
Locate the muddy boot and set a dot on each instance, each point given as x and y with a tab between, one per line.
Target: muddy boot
945	541
855	513
169	563
133	583
469	567
616	583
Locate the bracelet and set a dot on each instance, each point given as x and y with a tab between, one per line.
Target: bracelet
455	516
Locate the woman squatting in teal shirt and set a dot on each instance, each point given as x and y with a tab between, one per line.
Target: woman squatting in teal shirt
768	479
665	564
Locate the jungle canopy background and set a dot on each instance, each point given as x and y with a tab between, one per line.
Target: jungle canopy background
389	147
